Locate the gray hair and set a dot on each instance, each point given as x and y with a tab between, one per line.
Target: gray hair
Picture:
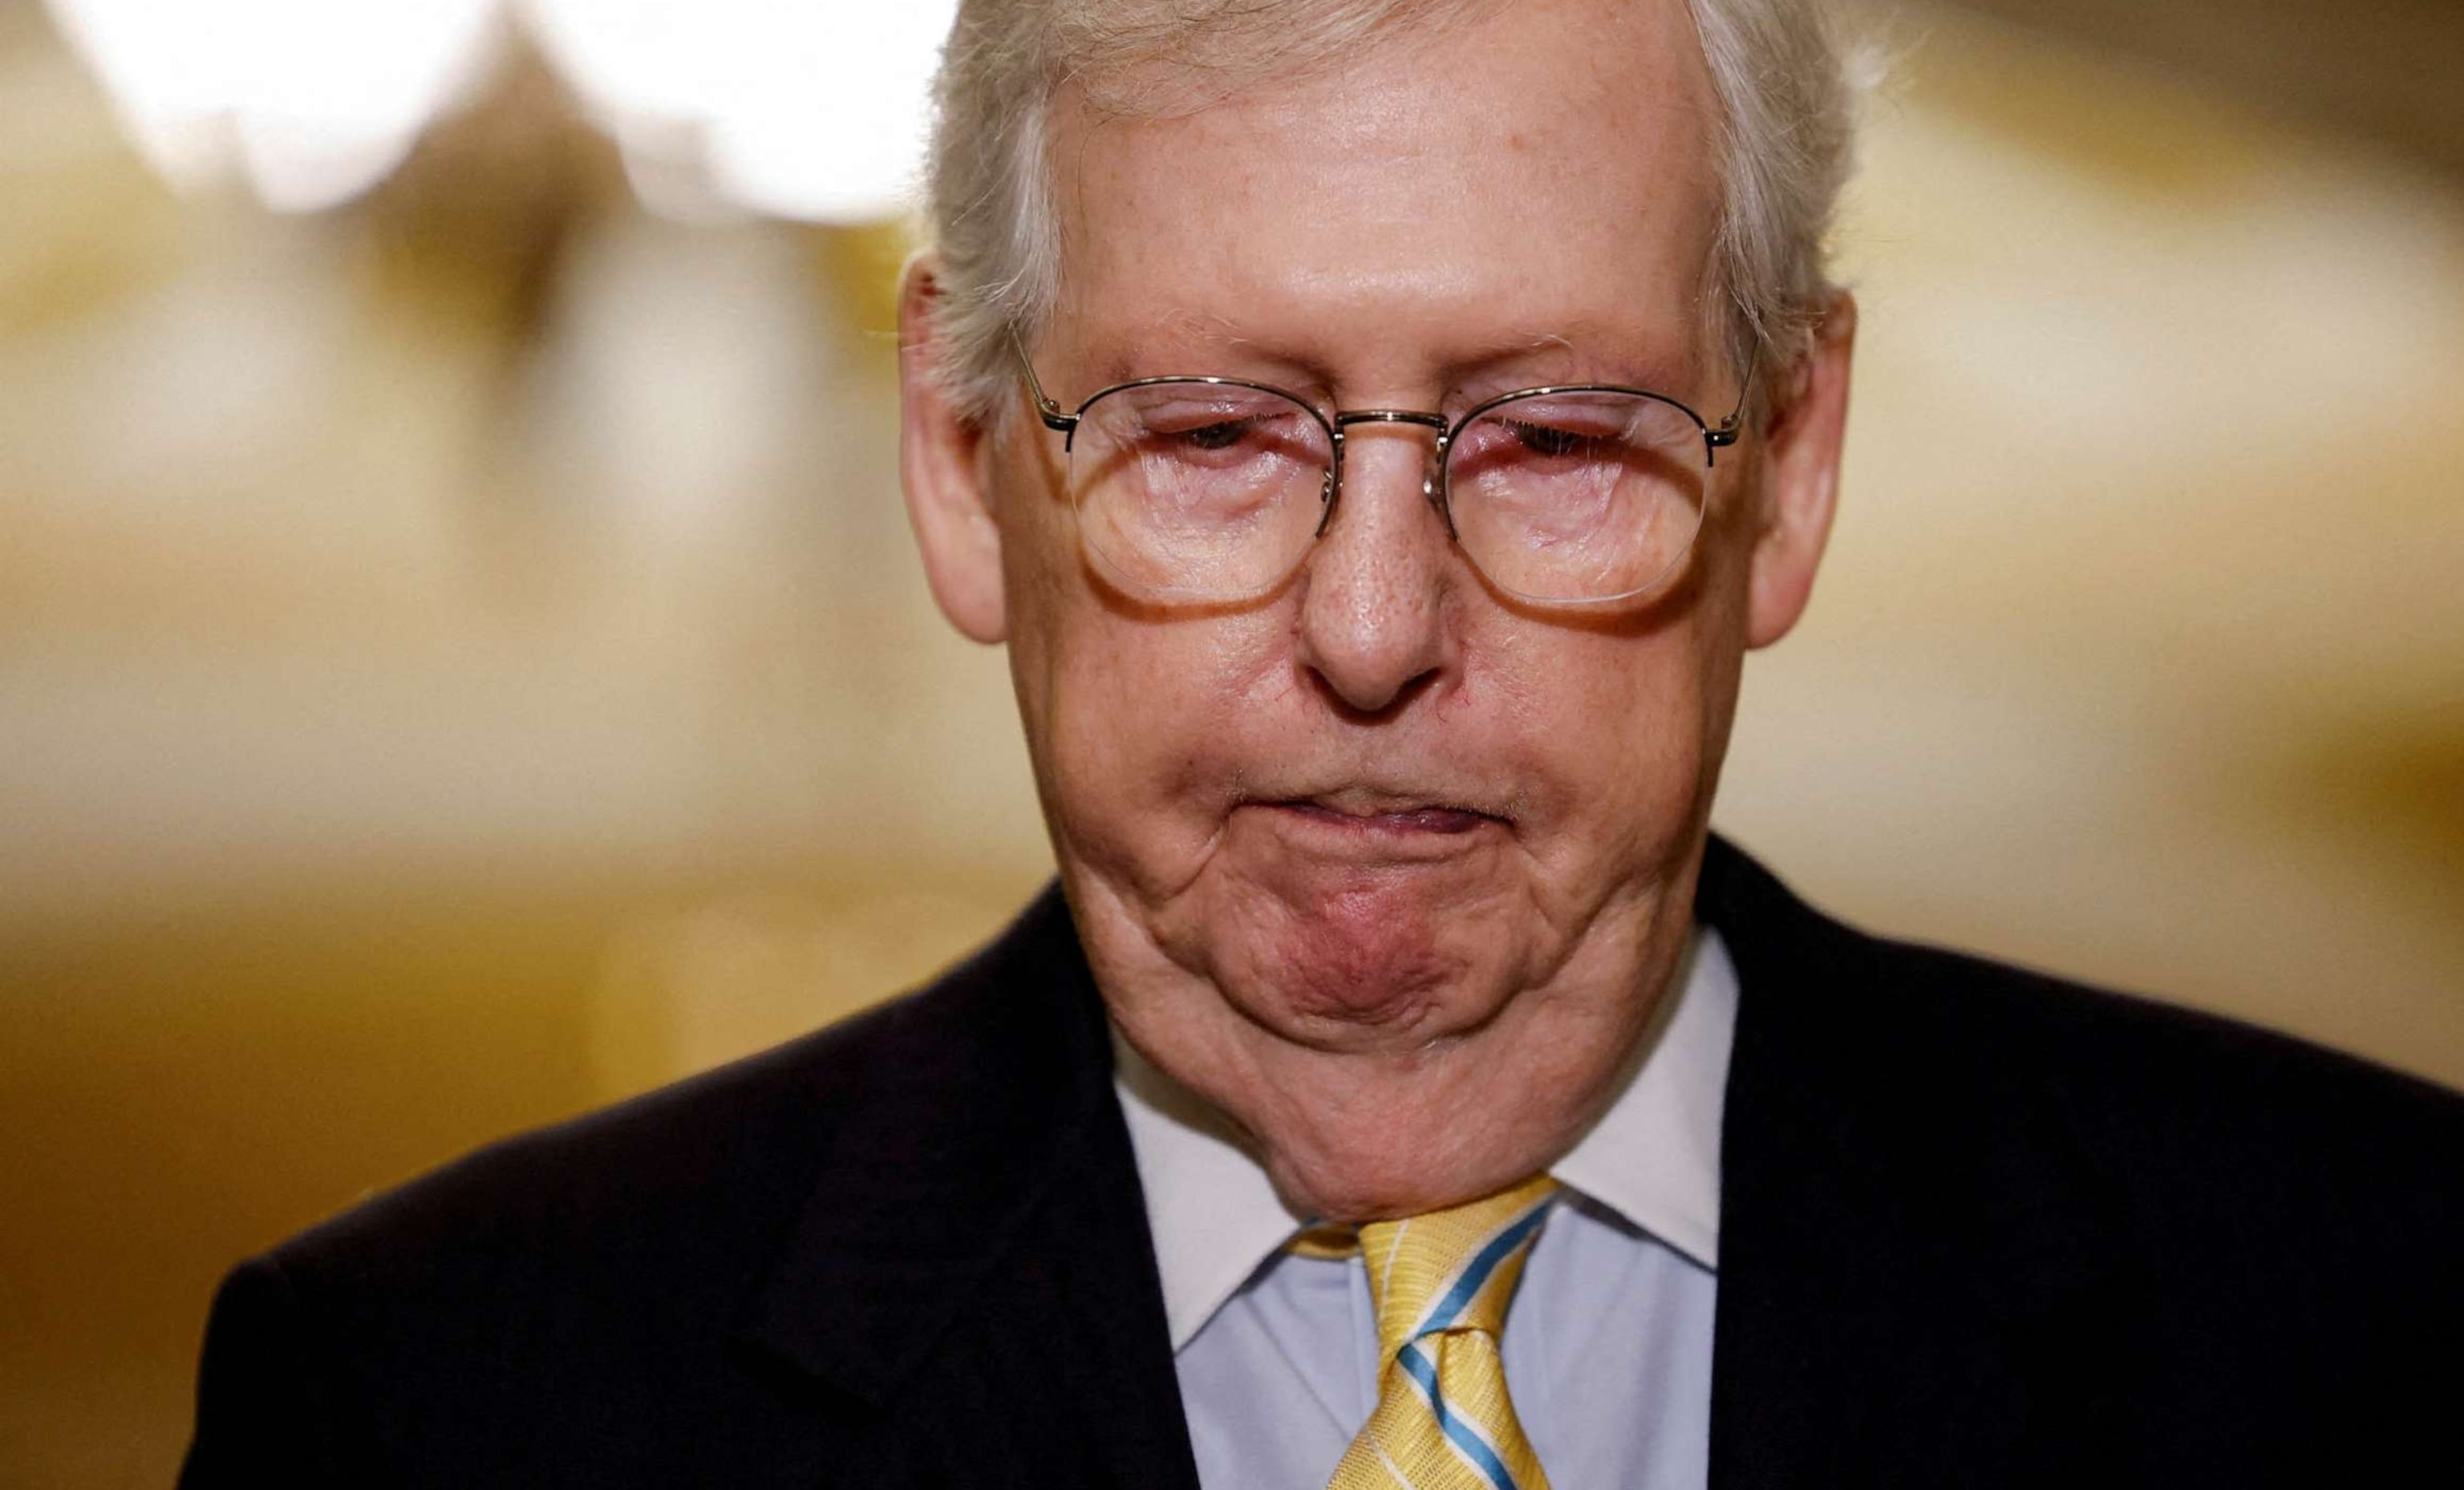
1781	70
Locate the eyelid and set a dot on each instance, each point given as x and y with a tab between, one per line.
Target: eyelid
1487	390
1182	417
1570	415
1206	386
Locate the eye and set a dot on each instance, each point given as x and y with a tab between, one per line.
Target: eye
1221	435
1542	440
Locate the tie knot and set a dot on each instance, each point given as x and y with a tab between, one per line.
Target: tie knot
1452	1269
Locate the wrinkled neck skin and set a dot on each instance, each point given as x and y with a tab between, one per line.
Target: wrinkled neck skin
1382	1066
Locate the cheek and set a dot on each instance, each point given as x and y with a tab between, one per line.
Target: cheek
1039	538
1126	712
1610	734
1140	723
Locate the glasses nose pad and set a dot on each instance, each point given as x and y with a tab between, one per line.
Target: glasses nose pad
1435	498
1326	502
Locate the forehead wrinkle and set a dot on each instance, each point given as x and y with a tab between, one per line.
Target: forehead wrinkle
1357	305
1349	126
1172	327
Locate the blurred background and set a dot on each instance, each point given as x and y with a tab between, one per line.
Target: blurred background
461	660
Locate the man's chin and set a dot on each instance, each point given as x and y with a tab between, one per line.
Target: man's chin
1396	1174
1343	958
1388	993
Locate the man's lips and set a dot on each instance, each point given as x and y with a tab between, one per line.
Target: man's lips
1419	819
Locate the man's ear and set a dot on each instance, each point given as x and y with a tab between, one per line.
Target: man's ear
1801	479
944	462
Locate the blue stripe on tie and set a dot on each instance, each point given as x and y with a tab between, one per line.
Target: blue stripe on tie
1500	1246
1461	1432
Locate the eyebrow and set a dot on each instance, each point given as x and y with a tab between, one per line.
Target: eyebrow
1591	353
1175	327
1587	354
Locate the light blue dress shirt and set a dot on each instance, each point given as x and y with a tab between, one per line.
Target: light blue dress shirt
1607	1345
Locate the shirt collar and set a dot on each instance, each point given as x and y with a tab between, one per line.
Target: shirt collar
1651	1156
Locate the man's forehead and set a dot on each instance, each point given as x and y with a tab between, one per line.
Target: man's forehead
1541	174
1624	62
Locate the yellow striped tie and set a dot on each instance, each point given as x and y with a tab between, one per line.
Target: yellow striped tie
1441	1282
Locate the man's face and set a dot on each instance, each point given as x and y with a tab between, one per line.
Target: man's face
1391	866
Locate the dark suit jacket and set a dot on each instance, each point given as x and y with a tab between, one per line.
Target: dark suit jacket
1978	1228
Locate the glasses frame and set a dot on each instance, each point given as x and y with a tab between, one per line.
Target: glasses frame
1432	488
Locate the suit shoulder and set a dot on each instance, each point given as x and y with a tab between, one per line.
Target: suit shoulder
2190	1118
2130	1053
2196	1128
719	1141
1945	1019
710	1166
618	1259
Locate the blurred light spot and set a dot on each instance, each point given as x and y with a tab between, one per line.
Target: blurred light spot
310	101
812	111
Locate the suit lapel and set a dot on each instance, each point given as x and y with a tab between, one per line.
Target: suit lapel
1909	1291
974	1281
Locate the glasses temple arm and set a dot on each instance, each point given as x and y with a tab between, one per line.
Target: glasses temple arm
1726	432
1044	408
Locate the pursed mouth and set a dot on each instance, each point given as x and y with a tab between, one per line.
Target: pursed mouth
1400	818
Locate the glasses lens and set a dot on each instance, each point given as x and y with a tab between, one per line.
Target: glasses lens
1198	490
1578	496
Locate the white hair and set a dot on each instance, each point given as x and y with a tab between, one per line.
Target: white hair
1781	71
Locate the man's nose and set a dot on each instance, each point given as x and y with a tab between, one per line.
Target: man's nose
1372	611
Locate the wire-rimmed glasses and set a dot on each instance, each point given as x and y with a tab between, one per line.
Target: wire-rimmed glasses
1211	490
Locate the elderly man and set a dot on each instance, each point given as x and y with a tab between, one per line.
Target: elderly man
1378	429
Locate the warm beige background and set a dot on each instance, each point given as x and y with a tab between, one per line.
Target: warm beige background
460	659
